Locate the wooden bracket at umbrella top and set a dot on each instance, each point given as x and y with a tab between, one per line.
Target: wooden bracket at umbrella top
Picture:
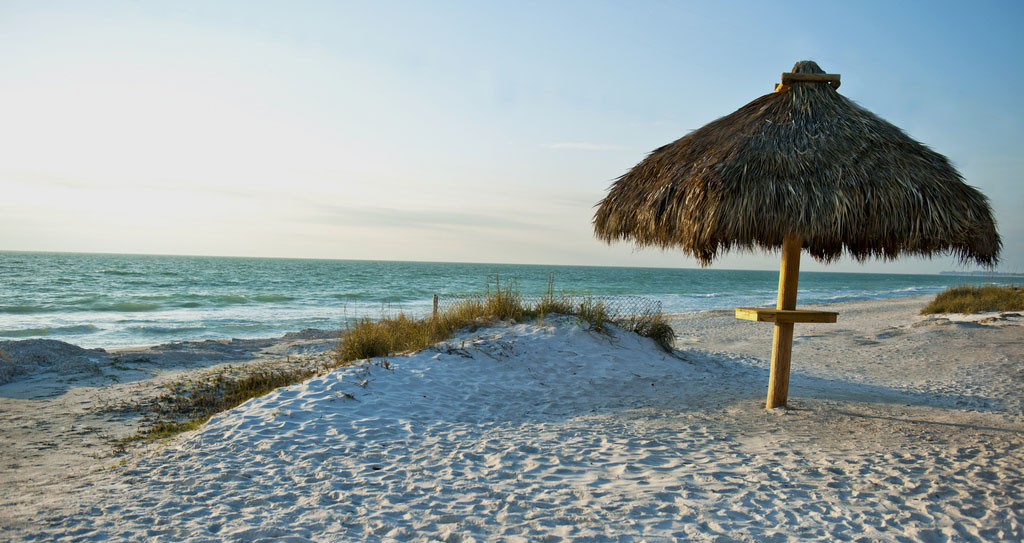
790	77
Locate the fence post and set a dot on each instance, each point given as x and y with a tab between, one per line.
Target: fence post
435	306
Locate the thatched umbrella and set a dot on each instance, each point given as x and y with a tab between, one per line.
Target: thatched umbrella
801	168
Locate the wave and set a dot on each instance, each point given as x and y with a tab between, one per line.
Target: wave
165	330
125	307
120	272
353	297
47	331
146	303
917	289
860	295
209	331
229	299
272	298
234	299
200	300
22	309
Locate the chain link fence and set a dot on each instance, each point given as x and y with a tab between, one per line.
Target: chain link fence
616	307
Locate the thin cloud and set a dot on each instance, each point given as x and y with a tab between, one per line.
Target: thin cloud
74	182
444	219
585	146
652	123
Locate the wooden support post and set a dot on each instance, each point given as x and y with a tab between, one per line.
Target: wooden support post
782	340
435	306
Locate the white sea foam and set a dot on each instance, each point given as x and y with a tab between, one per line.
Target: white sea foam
127	296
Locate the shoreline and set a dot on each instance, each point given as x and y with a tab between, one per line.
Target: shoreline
882	369
105	334
323	333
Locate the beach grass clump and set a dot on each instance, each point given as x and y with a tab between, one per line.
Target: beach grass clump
984	299
170	428
369	338
552	303
653	326
188	404
593	313
503	303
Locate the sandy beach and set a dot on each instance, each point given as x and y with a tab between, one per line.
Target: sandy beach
900	427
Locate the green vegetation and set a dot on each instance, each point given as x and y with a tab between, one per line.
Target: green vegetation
550	303
187	405
369	338
654	327
977	300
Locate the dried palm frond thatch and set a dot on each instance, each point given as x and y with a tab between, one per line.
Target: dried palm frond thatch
802	161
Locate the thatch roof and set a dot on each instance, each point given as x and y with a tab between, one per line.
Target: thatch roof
803	160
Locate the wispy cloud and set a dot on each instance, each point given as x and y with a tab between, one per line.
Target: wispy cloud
585	146
96	183
652	123
421	218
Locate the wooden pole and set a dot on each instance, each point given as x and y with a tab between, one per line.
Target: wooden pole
782	339
435	306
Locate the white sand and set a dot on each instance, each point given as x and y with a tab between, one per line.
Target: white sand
901	428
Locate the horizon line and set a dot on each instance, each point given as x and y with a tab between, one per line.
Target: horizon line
775	270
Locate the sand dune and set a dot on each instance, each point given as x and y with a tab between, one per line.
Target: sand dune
900	428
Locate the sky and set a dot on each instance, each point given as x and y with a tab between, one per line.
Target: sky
450	131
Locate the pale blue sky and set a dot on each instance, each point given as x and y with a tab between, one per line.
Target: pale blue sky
451	131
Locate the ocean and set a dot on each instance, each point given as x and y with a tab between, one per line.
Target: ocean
104	300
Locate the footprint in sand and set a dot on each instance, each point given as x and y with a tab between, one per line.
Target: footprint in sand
890	332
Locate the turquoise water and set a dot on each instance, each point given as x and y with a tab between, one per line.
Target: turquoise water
96	300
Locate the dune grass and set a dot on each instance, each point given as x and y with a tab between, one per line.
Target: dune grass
188	404
654	327
368	338
977	300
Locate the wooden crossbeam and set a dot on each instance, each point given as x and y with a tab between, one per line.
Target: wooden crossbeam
766	314
784	314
